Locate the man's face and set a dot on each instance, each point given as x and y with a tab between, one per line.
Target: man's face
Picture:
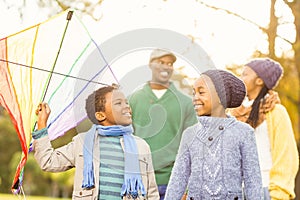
162	69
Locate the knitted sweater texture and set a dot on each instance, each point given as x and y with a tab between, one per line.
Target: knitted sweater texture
215	157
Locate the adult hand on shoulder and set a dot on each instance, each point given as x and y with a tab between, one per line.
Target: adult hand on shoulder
270	101
43	111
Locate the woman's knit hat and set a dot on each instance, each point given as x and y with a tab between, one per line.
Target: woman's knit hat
231	90
268	70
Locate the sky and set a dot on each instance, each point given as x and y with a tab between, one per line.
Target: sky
226	38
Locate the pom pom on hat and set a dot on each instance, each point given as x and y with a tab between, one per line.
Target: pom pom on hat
230	89
268	70
158	53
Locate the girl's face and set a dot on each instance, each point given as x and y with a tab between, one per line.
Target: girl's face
117	109
205	98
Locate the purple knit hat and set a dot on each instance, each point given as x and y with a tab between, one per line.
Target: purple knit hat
268	70
231	90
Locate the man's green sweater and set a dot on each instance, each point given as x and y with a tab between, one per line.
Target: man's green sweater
161	123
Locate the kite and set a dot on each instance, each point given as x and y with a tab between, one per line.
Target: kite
51	62
58	62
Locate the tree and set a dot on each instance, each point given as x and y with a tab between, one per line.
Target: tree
295	9
289	87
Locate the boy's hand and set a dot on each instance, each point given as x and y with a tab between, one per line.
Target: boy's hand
43	111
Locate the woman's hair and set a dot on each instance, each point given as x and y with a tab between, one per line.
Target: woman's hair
95	102
254	114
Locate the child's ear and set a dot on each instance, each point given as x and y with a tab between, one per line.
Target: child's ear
259	81
100	116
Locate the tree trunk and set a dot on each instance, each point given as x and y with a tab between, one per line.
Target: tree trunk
272	30
295	8
296	46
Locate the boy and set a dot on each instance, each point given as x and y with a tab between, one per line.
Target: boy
110	162
219	153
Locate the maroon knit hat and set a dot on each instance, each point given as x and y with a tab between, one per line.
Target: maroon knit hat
231	90
268	70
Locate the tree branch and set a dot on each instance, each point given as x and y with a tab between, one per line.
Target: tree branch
234	14
289	3
264	30
62	5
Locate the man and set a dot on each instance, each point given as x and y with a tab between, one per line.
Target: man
160	114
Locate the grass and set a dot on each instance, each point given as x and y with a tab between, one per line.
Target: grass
15	197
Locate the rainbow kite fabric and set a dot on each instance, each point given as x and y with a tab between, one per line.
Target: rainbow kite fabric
49	62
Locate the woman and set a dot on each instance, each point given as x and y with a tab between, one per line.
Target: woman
275	140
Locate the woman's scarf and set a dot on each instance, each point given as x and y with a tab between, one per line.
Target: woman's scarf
267	104
242	112
132	177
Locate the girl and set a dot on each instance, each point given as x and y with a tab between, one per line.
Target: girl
219	153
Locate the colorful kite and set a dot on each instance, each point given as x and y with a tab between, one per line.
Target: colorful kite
55	62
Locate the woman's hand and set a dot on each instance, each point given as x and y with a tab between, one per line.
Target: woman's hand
270	100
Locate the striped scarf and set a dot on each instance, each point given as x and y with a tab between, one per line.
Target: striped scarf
132	177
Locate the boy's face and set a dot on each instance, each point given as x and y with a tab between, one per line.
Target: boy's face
205	97
162	69
117	109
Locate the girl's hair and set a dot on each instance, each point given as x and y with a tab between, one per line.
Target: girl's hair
95	102
254	114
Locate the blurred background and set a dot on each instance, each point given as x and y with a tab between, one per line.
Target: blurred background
231	32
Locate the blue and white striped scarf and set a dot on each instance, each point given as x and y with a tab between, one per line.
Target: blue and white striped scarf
132	177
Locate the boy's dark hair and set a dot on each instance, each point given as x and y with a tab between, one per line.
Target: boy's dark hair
95	102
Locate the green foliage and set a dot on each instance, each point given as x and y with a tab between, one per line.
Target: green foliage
9	144
35	182
15	197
